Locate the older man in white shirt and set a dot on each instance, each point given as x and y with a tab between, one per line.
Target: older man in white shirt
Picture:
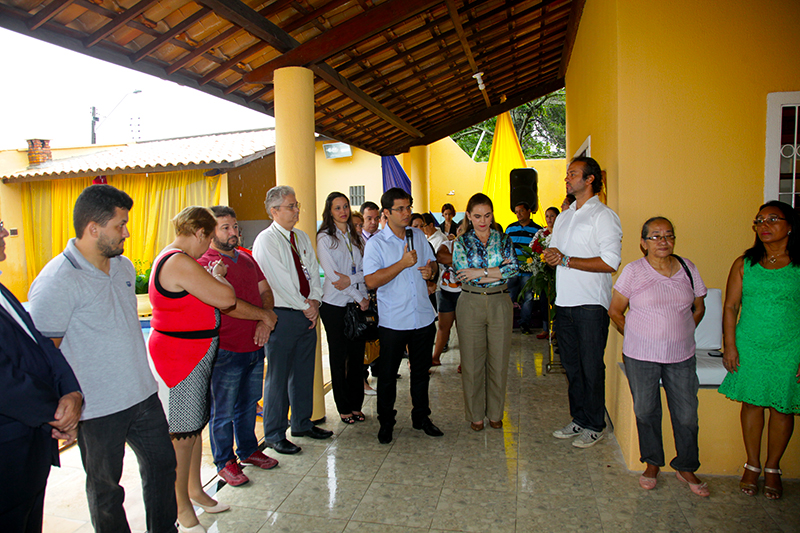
287	259
586	249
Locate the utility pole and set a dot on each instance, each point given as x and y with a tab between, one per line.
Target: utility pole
95	120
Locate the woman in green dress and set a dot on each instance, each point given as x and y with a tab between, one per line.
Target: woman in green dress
762	351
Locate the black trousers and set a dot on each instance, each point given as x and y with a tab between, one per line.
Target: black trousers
25	466
420	351
346	360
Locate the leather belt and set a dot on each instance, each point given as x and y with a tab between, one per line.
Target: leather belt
488	291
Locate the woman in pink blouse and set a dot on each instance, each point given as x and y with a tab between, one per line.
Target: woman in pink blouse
663	295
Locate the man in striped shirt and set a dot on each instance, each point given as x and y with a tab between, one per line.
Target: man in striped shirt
521	233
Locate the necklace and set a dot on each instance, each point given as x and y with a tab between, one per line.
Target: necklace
773	258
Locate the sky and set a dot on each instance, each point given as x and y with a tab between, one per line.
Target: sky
54	100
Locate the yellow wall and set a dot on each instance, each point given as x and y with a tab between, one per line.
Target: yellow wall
14	276
452	169
362	168
676	107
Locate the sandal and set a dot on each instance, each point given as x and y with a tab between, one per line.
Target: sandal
476	426
750	489
347	419
496	425
701	489
773	493
359	417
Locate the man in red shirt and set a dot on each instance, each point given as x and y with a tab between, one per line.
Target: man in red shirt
239	368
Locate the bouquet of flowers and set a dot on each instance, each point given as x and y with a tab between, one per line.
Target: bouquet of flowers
543	277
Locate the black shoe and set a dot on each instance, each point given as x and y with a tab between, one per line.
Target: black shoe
385	434
428	427
314	433
284	446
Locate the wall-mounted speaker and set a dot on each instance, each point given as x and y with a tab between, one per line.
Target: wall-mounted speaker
524	187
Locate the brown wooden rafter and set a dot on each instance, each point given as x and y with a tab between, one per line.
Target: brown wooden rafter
355	30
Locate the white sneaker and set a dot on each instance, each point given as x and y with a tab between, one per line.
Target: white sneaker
567	432
587	438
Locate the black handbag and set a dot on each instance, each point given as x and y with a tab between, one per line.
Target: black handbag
361	325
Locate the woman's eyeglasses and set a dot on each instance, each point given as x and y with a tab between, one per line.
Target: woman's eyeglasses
656	238
769	220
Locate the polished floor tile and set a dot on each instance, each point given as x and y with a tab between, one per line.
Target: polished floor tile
515	479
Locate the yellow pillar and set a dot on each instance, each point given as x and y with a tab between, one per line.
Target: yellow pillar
419	175
294	166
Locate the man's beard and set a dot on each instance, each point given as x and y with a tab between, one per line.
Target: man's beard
226	246
107	250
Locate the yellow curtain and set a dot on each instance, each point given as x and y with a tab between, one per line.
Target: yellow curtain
157	197
506	155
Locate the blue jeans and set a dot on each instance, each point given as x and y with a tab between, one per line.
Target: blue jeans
235	391
515	285
102	445
291	352
681	385
582	334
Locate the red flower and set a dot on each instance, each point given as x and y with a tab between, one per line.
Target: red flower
537	247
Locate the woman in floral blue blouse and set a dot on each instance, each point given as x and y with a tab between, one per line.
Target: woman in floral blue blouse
484	259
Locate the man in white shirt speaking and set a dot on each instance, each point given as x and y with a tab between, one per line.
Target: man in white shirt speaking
585	249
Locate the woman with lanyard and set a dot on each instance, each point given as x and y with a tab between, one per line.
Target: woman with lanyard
340	249
484	259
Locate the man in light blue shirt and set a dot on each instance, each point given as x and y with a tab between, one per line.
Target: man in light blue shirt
398	267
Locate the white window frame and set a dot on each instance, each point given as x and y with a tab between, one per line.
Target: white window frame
772	160
587	145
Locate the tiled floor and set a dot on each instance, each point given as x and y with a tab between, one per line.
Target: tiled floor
515	479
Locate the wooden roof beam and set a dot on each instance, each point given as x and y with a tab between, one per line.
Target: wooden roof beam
472	119
257	47
572	31
253	22
49	11
153	45
328	74
118	21
312	16
456	18
248	19
343	36
202	49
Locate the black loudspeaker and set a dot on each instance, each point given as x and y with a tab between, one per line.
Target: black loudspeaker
524	187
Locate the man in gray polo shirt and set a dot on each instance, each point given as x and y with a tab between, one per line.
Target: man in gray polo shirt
84	299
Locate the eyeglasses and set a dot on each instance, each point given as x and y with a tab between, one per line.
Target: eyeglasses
769	220
656	238
291	207
402	208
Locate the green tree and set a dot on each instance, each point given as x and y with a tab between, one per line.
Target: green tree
540	126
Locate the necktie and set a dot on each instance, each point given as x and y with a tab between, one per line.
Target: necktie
304	288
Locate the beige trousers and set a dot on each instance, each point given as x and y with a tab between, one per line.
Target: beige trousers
484	323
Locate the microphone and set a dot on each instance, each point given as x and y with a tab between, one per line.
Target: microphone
410	239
